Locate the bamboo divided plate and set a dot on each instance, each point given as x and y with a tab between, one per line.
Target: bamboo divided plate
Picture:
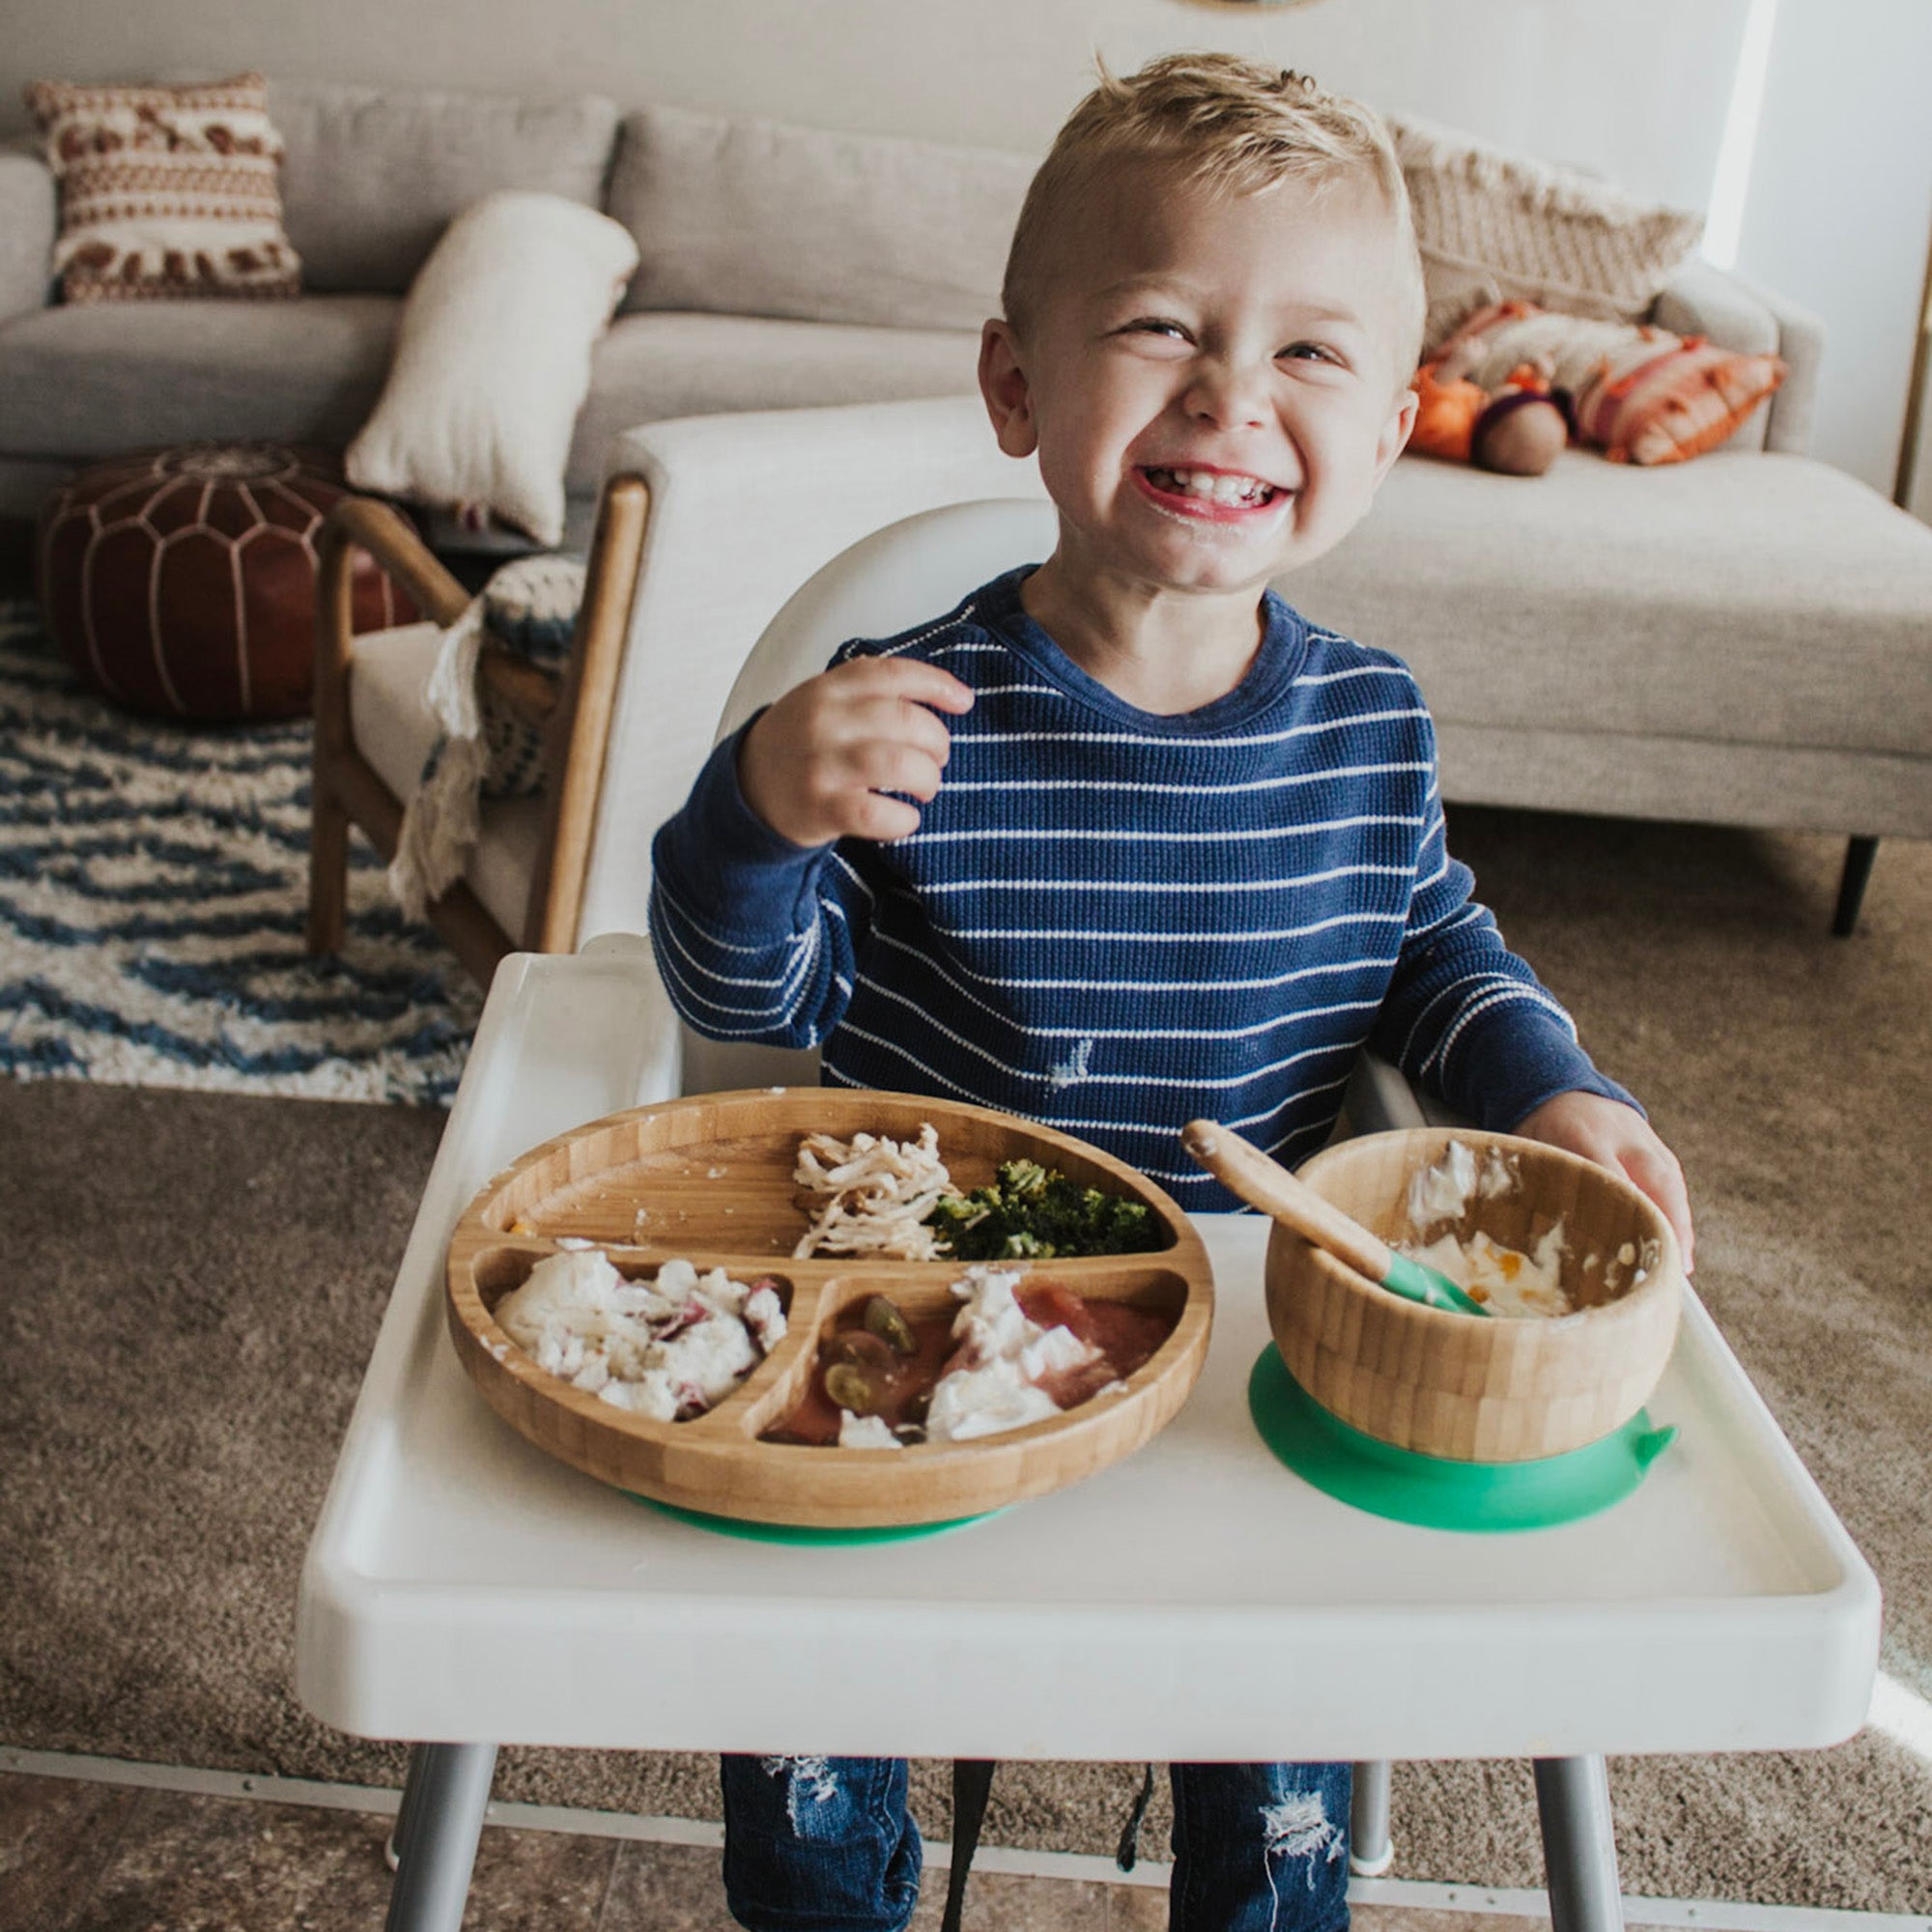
710	1180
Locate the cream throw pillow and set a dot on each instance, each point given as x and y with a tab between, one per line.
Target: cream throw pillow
492	361
1497	227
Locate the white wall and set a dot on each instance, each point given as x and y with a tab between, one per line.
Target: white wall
1839	209
1838	215
1635	89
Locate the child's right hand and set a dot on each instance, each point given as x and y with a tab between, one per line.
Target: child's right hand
817	765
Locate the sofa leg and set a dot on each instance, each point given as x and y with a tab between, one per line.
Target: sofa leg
328	872
1858	856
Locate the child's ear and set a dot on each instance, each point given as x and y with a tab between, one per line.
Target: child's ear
1002	383
1396	432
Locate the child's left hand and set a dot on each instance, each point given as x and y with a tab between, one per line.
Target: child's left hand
1619	1138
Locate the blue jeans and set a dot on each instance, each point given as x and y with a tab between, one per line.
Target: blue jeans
826	1844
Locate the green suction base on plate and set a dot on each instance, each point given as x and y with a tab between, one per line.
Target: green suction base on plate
1432	1491
798	1533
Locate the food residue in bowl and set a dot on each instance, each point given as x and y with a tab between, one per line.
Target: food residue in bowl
1009	1357
1546	1281
1505	1280
667	1349
1444	1190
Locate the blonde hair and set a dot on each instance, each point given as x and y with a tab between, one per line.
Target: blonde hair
1233	123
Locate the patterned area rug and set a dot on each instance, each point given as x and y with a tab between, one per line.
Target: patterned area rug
154	887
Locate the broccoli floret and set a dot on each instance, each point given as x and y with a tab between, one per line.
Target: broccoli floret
1032	1213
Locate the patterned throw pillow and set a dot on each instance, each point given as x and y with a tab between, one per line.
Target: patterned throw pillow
166	193
529	616
1496	227
1640	394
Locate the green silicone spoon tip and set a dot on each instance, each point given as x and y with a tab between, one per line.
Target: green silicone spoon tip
1420	1282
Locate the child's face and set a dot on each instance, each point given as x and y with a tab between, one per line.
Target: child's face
1214	383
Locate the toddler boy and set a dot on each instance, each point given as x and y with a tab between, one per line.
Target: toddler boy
1124	839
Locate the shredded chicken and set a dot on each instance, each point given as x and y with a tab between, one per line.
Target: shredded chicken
877	1193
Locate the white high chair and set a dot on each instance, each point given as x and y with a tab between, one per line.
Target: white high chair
447	1544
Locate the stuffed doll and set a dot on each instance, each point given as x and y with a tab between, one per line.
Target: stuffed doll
1515	428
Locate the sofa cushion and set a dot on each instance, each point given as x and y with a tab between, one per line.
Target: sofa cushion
1743	599
652	367
372	178
97	379
751	218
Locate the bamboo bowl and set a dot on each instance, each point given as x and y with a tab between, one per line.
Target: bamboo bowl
709	1179
1464	1387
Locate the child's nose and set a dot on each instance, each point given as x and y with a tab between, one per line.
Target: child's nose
1227	394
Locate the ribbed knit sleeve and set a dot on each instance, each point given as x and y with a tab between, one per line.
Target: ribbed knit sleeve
752	939
1465	1018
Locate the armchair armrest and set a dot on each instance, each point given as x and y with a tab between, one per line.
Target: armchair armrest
1703	299
29	220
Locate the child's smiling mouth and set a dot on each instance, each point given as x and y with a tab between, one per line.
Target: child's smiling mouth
1211	493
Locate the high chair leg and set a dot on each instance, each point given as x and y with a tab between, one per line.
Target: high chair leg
1371	1849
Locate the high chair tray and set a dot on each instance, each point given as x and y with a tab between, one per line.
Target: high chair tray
1195	1602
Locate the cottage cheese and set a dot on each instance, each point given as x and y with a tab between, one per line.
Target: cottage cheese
663	1348
1002	1355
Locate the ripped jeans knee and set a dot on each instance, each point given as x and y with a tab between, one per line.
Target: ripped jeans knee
817	1844
1260	1847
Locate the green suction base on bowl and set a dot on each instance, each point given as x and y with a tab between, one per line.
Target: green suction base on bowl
1430	1490
798	1534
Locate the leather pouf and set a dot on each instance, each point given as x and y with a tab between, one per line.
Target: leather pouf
182	580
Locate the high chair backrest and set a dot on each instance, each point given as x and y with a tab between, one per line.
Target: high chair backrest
903	575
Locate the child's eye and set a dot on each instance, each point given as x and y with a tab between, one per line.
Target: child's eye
1157	325
1307	352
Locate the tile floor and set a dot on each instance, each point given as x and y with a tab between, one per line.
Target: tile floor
76	1856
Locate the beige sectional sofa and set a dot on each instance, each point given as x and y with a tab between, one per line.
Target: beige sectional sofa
781	266
1745	639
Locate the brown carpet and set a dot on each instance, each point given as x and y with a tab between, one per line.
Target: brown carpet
194	1282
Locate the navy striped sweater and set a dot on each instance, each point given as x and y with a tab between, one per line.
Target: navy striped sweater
1115	922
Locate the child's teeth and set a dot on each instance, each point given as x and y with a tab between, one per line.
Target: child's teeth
1210	486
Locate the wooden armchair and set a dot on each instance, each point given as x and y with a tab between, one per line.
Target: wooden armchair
543	842
707	525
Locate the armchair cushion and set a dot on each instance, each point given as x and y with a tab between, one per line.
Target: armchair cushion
530	619
394	729
492	361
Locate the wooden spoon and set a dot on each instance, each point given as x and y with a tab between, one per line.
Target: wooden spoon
1245	1170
